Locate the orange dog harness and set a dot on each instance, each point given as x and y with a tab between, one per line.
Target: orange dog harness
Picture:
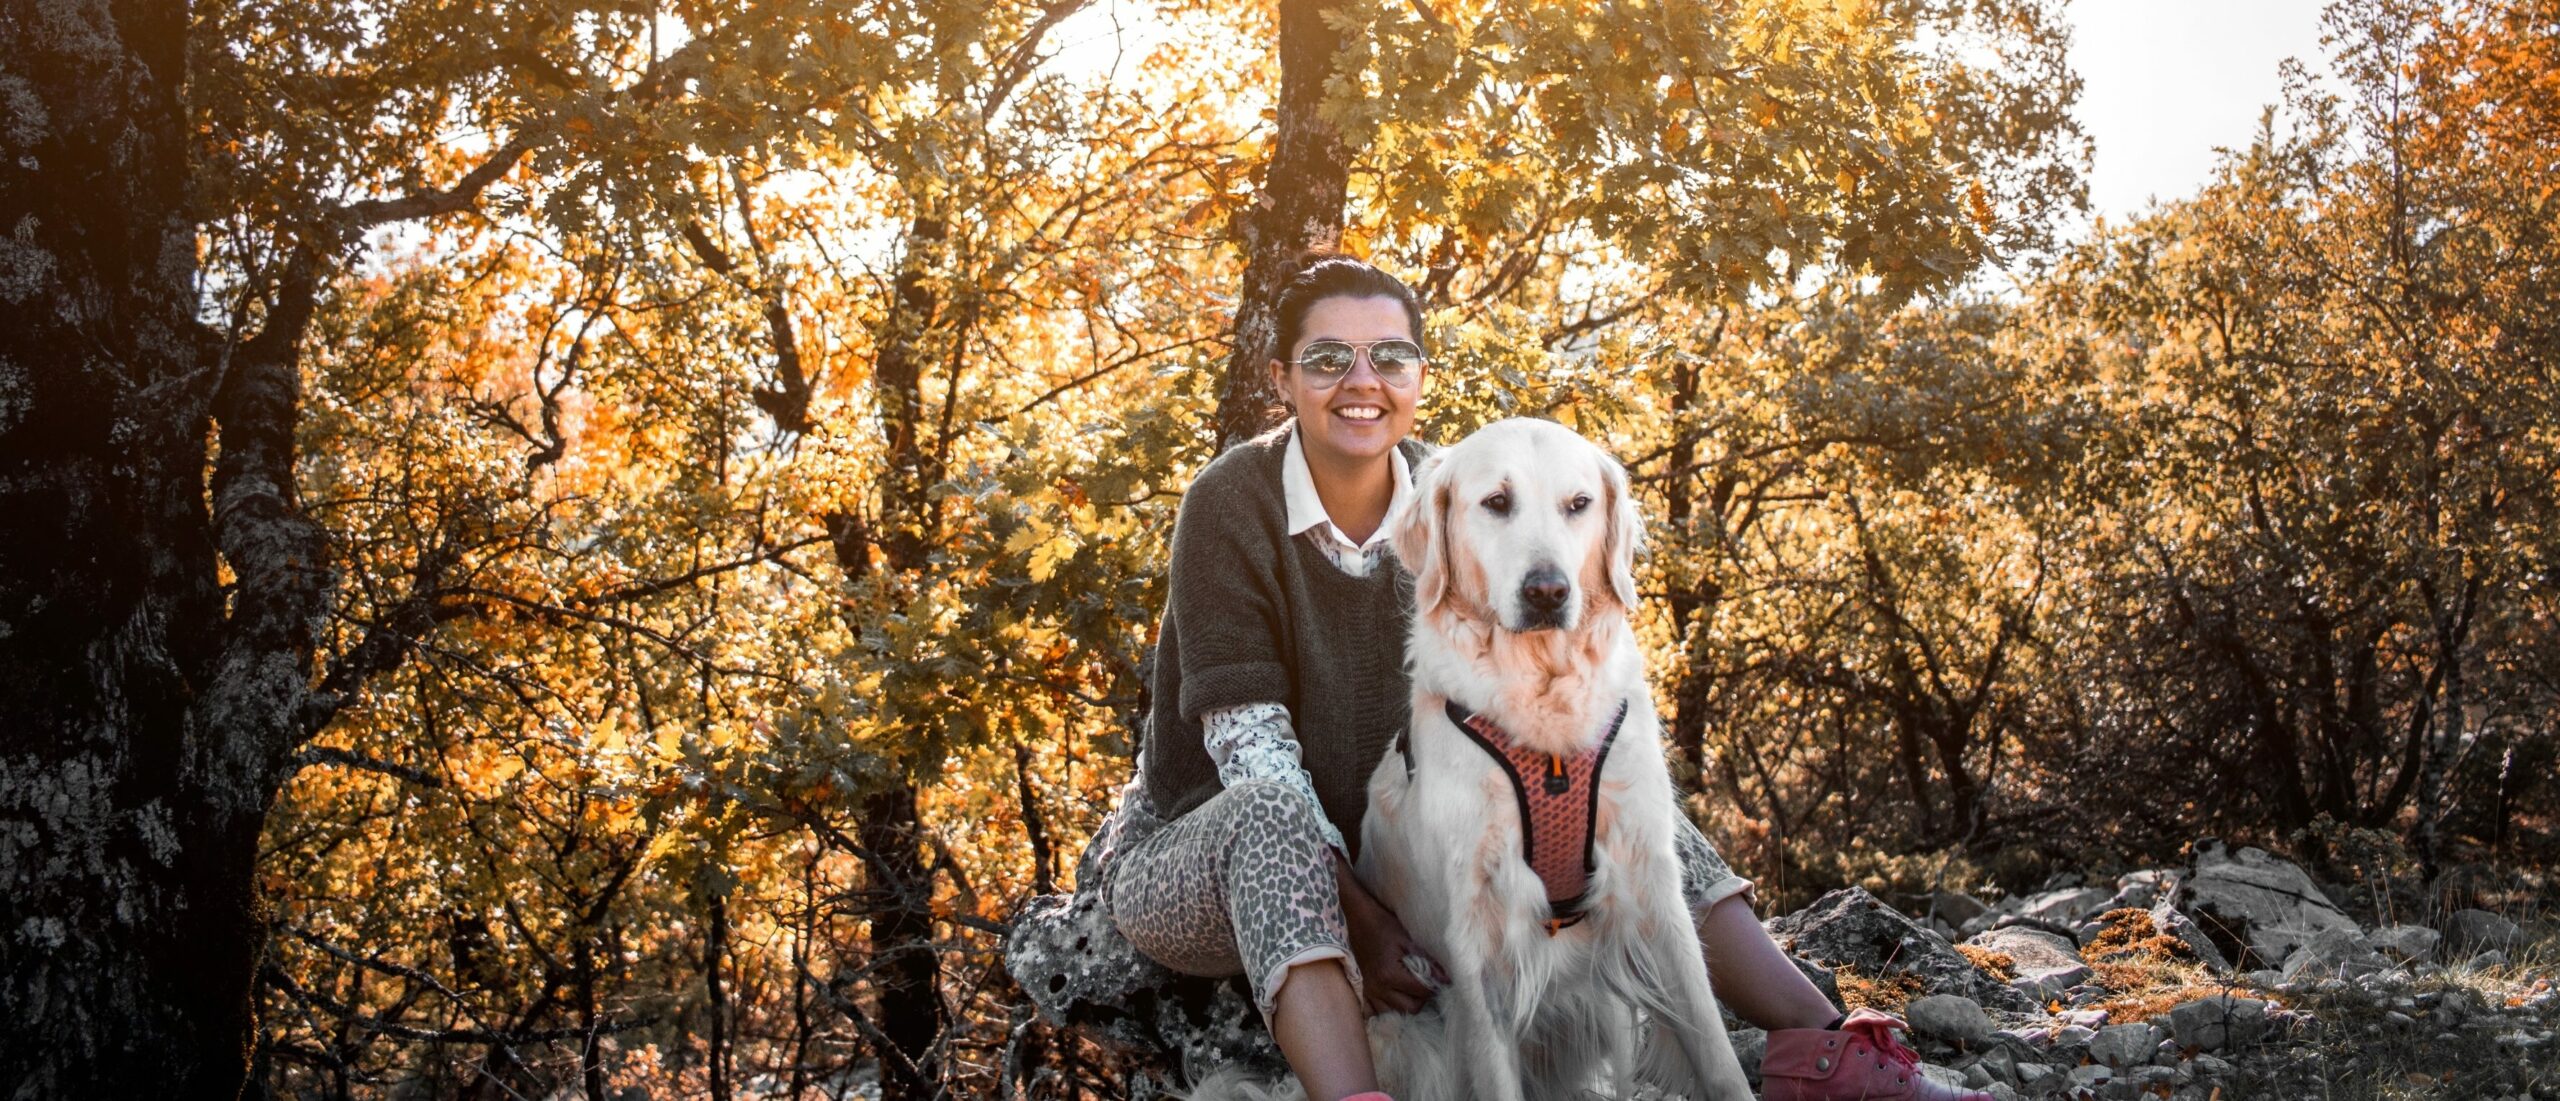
1559	807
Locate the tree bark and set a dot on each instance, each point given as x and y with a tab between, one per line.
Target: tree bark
148	711
1304	189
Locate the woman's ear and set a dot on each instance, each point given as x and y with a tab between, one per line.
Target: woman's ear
1417	536
1626	532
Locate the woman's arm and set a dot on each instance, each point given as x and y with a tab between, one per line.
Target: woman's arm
1256	741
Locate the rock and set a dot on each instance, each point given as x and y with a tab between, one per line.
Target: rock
1956	907
2124	1045
2490	960
2000	1062
1949	1017
2067	907
1852	928
2469	932
2090	1075
1750	1045
1944	1076
2219	1022
2208	1068
2141	890
2255	905
2406	943
2050	985
2342	953
2168	921
2031	951
1080	972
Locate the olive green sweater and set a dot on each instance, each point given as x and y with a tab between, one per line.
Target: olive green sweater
1253	616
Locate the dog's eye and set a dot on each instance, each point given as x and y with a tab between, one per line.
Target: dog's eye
1499	504
1580	502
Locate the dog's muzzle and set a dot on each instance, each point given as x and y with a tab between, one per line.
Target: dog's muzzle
1546	596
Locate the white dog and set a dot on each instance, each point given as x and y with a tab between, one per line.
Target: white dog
1523	832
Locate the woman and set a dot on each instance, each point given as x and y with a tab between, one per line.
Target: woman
1279	683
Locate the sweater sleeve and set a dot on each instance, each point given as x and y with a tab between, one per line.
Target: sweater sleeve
1254	741
1225	593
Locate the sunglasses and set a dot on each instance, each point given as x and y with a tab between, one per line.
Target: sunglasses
1398	362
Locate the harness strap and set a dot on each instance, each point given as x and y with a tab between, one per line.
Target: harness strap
1559	776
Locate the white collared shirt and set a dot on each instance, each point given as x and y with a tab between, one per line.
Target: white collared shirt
1308	517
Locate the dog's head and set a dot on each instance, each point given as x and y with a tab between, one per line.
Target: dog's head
1524	524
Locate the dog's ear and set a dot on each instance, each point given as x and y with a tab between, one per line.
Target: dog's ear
1418	535
1626	532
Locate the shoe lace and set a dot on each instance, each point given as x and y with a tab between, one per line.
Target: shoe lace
1878	1033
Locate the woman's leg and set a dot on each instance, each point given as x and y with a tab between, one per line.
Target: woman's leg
1244	884
1318	1022
1752	975
1749	972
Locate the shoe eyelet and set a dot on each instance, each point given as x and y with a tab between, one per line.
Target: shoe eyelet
1822	1064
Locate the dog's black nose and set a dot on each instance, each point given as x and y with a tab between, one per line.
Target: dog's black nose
1545	589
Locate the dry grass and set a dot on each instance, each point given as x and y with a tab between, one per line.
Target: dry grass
1889	992
2001	966
2148	973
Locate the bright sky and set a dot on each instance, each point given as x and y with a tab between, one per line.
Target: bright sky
2164	82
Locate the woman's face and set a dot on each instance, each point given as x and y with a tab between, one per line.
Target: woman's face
1360	416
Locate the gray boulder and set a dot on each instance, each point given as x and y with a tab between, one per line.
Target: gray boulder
2046	964
2336	954
2169	921
1956	907
2255	907
2469	932
2066	907
2219	1022
1949	1017
1850	927
2141	890
2122	1046
1081	973
2406	943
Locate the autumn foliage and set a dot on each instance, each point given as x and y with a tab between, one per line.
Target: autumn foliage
740	442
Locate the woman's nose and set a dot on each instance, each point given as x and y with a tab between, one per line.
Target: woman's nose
1364	371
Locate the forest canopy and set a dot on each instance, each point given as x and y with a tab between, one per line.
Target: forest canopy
559	549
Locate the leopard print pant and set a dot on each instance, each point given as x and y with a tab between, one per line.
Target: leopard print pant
1243	884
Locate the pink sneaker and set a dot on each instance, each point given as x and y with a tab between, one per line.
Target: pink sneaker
1859	1061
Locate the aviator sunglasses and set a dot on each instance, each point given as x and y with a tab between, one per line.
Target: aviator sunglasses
1398	362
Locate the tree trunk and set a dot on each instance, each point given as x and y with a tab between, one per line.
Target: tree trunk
905	969
1300	209
147	710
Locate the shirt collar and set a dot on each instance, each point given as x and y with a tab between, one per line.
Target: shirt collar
1306	508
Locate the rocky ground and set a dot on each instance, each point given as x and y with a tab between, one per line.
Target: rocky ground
2234	978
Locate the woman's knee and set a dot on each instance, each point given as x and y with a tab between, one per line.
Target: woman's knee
1270	811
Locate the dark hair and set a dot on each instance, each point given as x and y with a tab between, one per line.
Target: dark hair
1332	275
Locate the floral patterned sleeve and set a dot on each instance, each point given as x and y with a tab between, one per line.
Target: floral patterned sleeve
1255	741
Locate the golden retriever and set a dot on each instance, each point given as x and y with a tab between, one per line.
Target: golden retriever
1522	543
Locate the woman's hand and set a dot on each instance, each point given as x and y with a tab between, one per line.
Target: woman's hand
1380	945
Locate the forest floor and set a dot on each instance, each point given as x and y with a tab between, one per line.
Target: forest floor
2412	1003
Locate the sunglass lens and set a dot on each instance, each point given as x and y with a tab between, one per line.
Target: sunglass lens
1330	358
1395	357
